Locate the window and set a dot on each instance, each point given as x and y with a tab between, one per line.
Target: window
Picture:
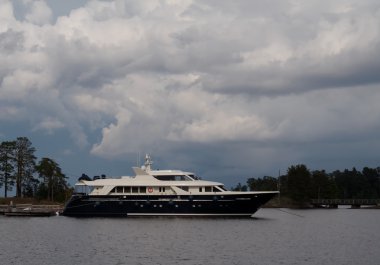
142	189
215	189
127	189
135	189
161	189
174	178
180	178
183	188
194	177
200	189
207	189
165	178
119	189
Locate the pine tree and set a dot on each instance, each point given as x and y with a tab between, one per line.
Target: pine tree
7	169
25	163
53	183
299	178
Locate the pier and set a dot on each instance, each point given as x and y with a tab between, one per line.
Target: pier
30	210
354	203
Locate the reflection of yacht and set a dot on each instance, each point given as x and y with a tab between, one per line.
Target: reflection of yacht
161	193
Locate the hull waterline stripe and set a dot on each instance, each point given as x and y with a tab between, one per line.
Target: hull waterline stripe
189	214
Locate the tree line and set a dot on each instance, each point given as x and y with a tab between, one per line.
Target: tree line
19	169
301	184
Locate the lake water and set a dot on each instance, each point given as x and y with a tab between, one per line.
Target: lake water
274	236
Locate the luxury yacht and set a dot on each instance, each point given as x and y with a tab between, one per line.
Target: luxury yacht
160	193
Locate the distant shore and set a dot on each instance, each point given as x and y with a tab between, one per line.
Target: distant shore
288	203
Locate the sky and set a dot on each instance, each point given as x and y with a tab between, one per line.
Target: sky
226	89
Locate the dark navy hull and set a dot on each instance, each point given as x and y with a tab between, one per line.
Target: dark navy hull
144	205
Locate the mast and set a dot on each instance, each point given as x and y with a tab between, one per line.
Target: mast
148	163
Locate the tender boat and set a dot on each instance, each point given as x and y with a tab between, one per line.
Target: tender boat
160	193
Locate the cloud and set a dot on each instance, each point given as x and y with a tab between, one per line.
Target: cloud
49	125
11	41
6	14
39	12
127	76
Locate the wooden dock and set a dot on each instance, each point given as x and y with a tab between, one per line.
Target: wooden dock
30	210
354	203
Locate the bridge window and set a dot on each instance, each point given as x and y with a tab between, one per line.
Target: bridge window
216	189
174	178
194	177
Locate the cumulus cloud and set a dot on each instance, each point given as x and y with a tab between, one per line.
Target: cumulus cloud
39	12
142	74
49	125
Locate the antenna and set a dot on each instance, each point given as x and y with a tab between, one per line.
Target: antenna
148	162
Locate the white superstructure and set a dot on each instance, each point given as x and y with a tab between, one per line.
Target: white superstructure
153	182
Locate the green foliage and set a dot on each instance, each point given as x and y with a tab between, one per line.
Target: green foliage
354	184
7	165
25	163
299	179
265	183
322	185
240	187
18	168
53	185
301	185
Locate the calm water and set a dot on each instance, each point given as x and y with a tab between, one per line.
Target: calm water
274	236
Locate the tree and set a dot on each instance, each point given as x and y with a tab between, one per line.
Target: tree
322	185
25	163
299	183
53	185
372	177
7	169
263	184
240	187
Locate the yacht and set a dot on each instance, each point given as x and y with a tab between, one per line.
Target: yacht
160	193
